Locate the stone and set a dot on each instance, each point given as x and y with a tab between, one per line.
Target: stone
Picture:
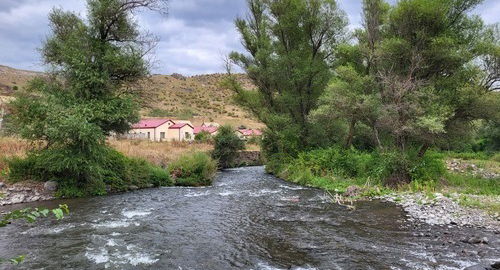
352	191
17	198
496	265
50	186
478	267
133	187
2	184
150	185
34	198
477	240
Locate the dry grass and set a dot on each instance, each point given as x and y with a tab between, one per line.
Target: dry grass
158	153
11	147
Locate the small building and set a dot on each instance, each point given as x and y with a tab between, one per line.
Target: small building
181	132
210	124
151	129
246	134
210	130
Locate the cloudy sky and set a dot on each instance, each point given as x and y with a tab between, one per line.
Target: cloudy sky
193	37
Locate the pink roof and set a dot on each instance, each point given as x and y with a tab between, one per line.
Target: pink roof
179	125
206	129
150	123
250	132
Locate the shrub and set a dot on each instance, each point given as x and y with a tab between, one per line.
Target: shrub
79	176
15	87
496	157
227	145
193	170
203	136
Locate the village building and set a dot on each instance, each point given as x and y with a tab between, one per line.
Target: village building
210	130
181	132
152	129
158	130
246	134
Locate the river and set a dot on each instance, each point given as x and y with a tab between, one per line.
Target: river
246	220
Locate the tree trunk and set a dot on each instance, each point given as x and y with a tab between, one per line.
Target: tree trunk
377	138
350	134
423	149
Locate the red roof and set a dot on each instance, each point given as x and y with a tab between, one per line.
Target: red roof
179	125
206	129
150	123
250	132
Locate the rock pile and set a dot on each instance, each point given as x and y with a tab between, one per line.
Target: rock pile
459	166
26	192
442	210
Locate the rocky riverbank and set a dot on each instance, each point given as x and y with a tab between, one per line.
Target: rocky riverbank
26	192
437	209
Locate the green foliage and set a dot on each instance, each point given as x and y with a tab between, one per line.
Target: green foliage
15	87
88	97
495	157
227	145
289	45
80	176
30	215
193	170
203	136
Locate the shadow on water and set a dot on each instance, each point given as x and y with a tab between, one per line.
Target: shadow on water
246	220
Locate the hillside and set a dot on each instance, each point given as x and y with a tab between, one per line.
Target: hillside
197	98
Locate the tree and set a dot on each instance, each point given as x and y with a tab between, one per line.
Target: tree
290	45
420	74
86	97
227	145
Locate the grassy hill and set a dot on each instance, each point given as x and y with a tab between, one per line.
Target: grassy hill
197	98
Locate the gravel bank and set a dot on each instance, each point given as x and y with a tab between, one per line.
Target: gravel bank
438	209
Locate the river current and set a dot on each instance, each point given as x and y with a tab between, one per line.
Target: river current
246	220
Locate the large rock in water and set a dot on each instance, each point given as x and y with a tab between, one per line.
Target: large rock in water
50	186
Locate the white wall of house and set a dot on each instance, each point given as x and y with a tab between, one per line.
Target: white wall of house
158	134
181	134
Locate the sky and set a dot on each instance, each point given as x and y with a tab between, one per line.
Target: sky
194	36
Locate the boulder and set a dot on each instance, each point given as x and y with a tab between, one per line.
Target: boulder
2	184
50	186
133	187
17	198
352	191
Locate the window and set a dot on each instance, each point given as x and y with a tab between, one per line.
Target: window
149	135
162	135
187	135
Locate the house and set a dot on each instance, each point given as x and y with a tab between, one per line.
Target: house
246	134
180	132
210	124
151	129
210	130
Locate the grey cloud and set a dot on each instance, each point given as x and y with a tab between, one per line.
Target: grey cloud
193	36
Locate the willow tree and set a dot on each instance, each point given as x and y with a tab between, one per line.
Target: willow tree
85	96
289	44
431	70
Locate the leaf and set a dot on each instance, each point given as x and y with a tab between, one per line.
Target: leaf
58	213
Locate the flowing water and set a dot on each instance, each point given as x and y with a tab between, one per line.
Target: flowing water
246	220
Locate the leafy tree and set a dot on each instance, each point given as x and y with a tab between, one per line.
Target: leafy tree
87	97
420	74
227	145
290	44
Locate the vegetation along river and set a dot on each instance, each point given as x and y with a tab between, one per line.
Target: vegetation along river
246	220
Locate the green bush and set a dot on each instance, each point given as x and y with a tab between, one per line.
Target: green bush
193	170
227	145
495	157
79	176
324	165
15	87
203	136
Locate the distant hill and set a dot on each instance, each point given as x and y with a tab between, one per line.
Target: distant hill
197	98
